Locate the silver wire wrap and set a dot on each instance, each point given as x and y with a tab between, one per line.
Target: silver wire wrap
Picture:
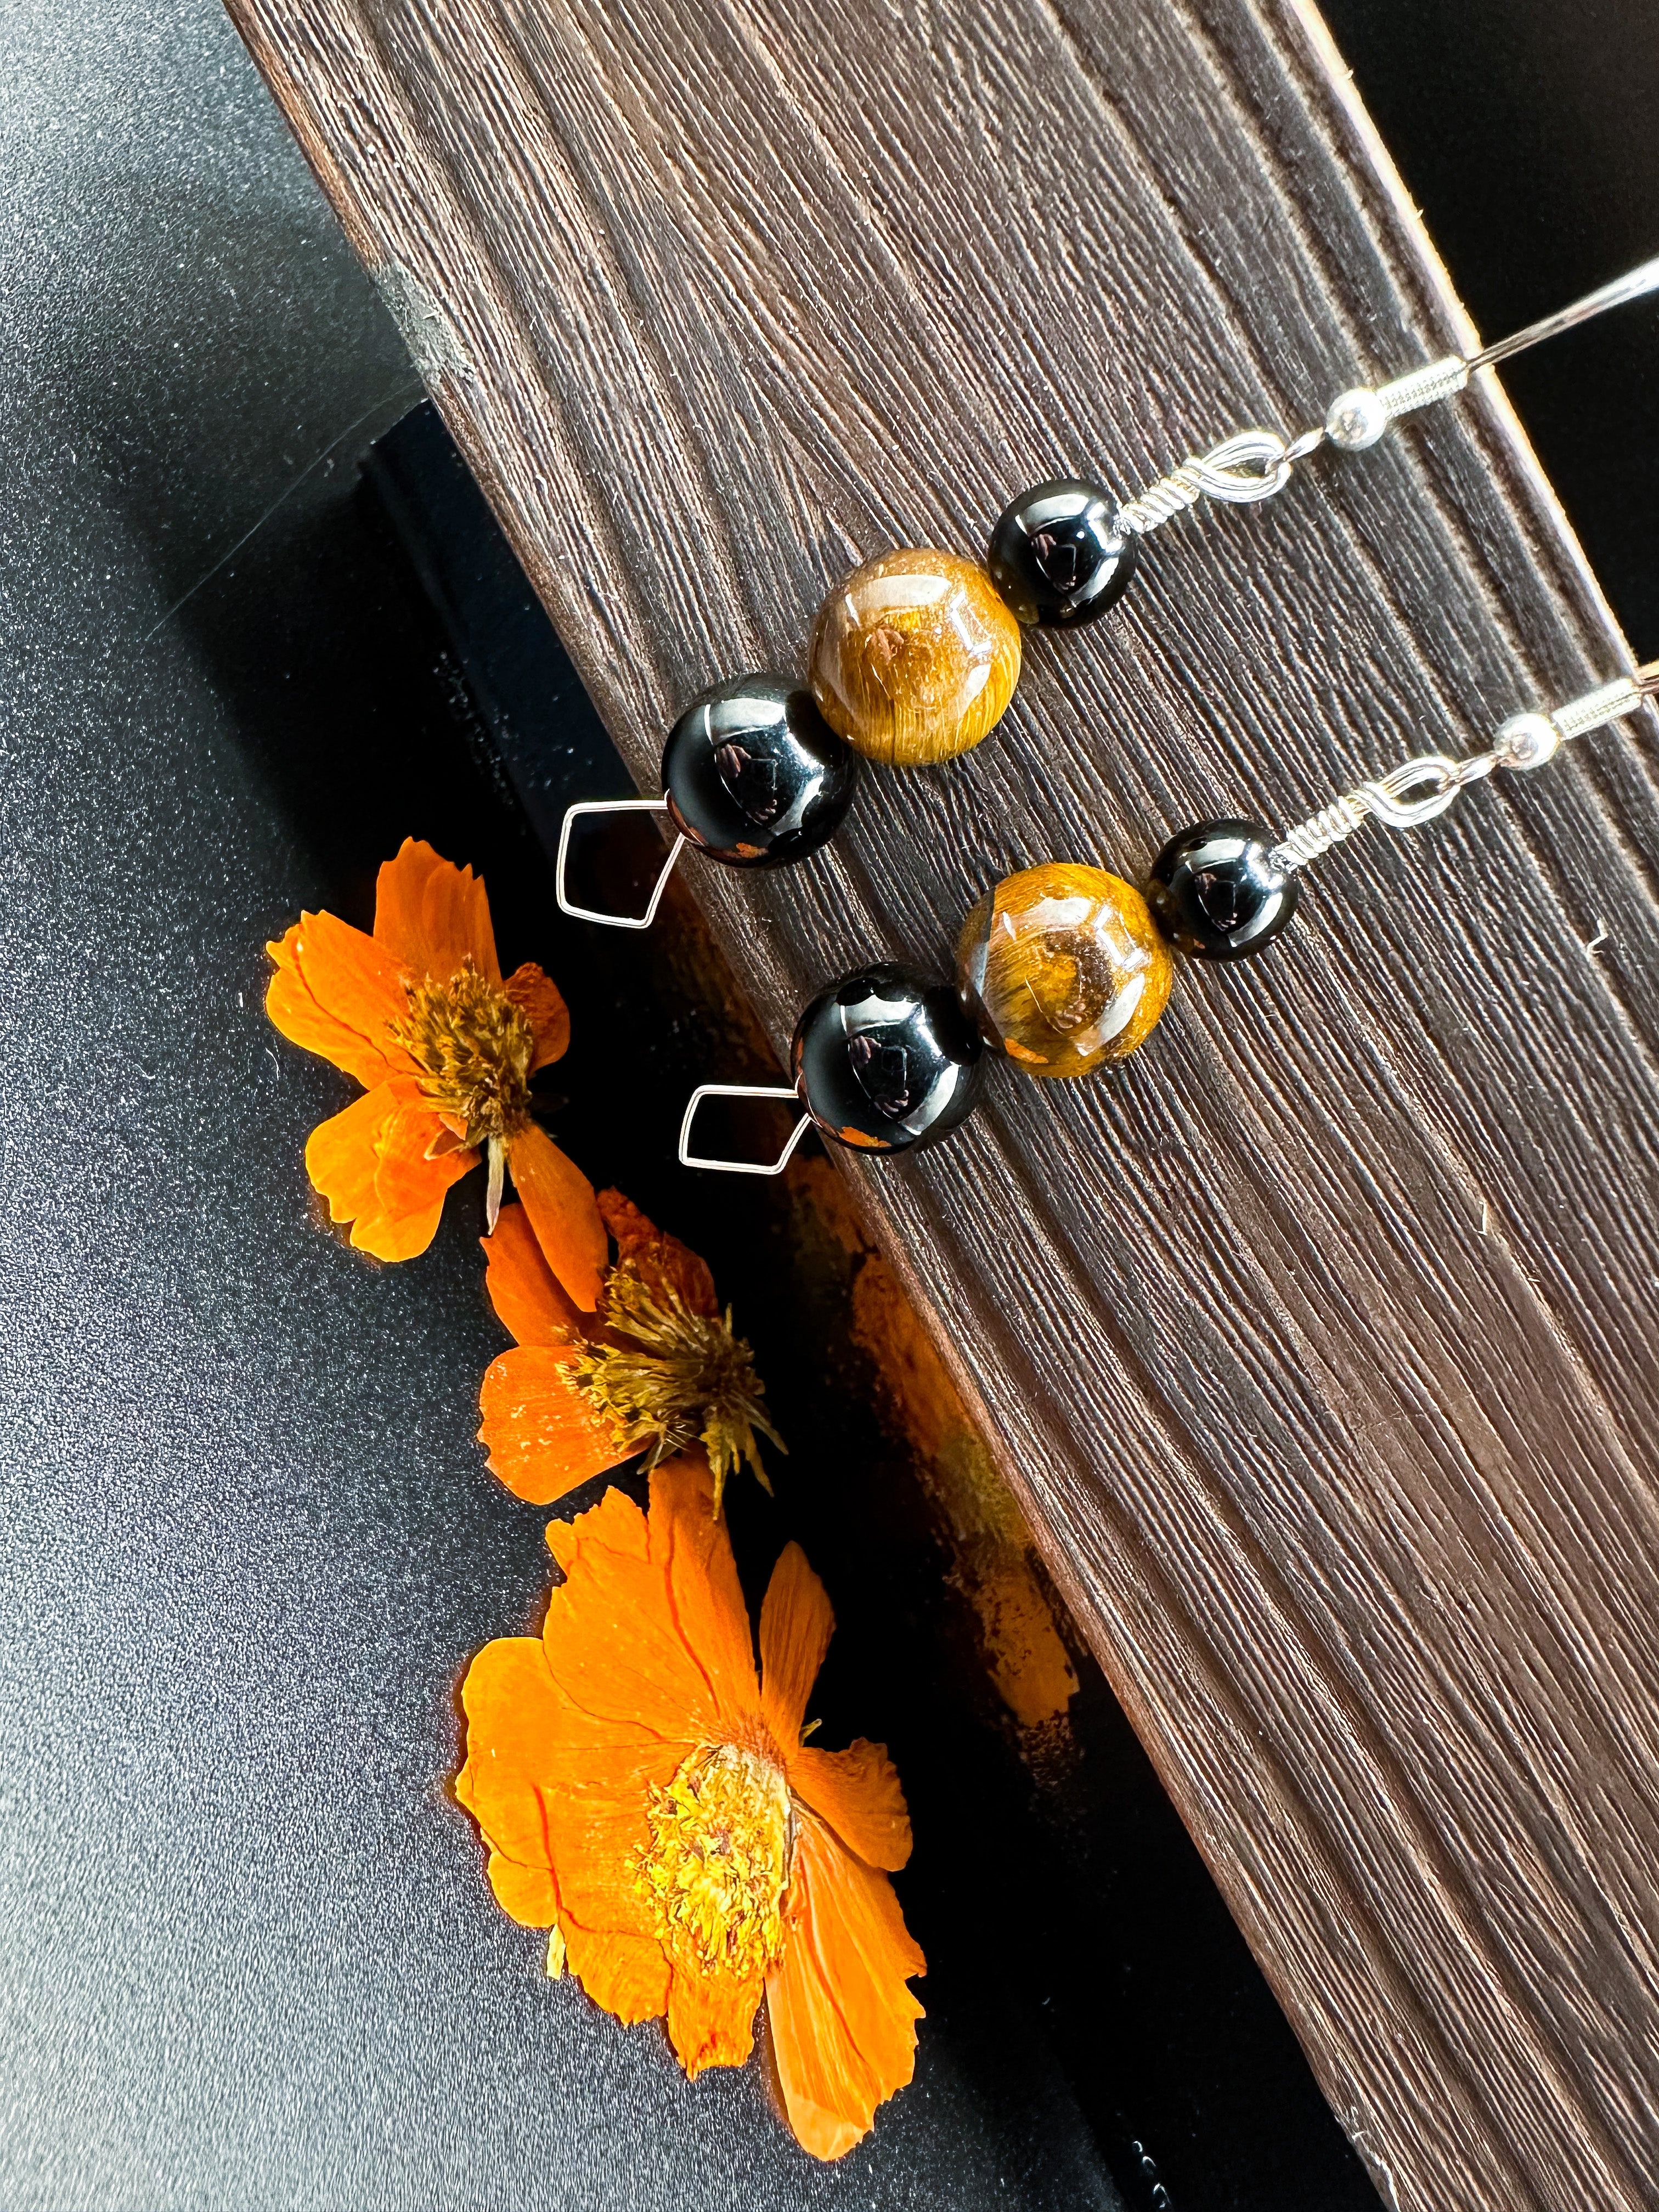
1240	471
1418	790
1256	464
1388	798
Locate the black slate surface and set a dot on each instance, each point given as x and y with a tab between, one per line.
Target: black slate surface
246	1956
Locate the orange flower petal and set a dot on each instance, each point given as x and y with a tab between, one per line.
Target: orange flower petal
334	992
559	1205
843	2019
511	1724
432	917
541	1434
525	1894
711	2020
795	1627
522	1287
708	1600
534	992
613	1641
371	1164
596	1839
857	1791
560	1796
626	1974
645	1653
615	1523
411	1174
662	1262
608	1768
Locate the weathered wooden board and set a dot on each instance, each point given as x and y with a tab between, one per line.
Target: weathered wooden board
1320	1343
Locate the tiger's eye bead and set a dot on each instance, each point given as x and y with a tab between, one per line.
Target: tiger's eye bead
1058	556
913	658
754	775
886	1059
1063	968
1219	893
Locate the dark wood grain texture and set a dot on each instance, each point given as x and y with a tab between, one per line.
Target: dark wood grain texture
1319	1342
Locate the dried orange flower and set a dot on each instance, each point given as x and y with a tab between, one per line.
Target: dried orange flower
444	1048
648	1797
657	1369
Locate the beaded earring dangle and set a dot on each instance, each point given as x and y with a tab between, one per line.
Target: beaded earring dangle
1062	968
914	655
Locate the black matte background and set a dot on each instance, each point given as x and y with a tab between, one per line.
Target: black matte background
245	1954
1525	131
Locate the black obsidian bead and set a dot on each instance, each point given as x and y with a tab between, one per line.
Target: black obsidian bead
754	775
886	1060
1058	558
1217	892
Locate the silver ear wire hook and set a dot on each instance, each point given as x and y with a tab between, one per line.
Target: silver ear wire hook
1418	790
1634	284
690	1159
1254	465
613	806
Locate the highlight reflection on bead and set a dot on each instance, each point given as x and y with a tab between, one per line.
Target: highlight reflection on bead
886	1060
752	775
914	656
1219	893
1063	968
1059	555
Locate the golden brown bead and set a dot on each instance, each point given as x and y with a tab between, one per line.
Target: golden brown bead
1063	968
914	656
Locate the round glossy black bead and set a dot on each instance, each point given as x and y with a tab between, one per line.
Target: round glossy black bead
1058	556
754	775
886	1060
1217	891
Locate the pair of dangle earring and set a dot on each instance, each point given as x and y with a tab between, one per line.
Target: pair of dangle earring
1064	969
915	656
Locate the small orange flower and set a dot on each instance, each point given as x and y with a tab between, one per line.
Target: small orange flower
444	1048
657	1369
649	1798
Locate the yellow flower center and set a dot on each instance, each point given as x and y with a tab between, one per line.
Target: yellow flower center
474	1047
718	1863
691	1379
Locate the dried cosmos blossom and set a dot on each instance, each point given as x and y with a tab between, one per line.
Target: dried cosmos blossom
657	1369
648	1798
419	1013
